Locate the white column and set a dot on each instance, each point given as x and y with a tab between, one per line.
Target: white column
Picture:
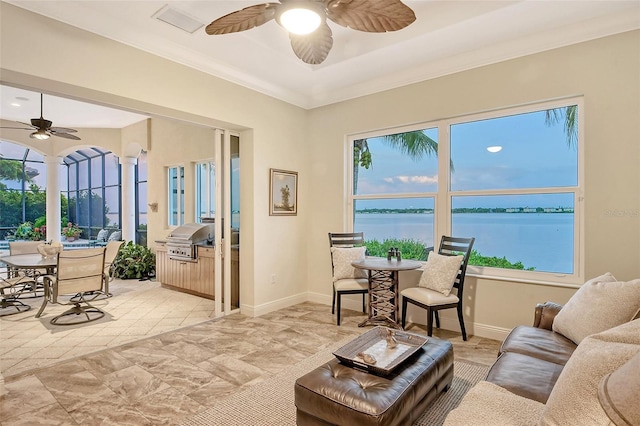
53	197
128	198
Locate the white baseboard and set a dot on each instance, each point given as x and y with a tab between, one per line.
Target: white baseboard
265	308
354	302
473	328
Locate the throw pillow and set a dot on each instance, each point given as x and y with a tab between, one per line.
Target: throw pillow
574	398
102	235
116	236
342	258
600	304
440	272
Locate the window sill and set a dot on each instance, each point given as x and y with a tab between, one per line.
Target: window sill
524	281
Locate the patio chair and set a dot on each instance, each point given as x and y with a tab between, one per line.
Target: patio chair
10	289
26	247
77	272
111	251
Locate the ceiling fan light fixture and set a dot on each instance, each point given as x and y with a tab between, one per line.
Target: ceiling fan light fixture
39	134
300	19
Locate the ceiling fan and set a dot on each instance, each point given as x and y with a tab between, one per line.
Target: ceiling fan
43	129
312	44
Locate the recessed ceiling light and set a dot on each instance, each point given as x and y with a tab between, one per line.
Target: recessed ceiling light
494	149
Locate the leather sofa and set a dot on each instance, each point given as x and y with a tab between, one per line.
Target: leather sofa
532	357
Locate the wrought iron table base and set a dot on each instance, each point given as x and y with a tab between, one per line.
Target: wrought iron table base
383	299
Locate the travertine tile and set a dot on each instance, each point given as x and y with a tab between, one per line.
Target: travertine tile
18	392
143	366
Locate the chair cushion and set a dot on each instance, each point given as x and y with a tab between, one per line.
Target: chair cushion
351	284
600	304
116	236
574	398
440	272
428	297
342	258
102	235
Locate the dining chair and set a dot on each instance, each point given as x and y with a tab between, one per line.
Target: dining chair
77	272
434	300
347	279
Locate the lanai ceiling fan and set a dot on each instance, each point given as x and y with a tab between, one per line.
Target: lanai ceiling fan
43	129
312	43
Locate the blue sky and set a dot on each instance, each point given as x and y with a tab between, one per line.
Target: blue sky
533	154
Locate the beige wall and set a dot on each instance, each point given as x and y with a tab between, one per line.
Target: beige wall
605	71
272	132
279	135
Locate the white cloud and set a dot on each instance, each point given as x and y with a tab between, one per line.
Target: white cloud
413	179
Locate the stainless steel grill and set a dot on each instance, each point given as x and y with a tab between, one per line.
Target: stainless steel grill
182	241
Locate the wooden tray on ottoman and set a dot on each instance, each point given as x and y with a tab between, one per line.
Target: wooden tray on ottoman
374	342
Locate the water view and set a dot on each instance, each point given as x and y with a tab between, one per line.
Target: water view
543	241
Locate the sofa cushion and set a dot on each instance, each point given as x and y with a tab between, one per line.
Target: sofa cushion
440	272
574	398
600	304
489	404
539	343
524	375
342	258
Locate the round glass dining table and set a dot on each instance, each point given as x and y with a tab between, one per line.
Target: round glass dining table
30	261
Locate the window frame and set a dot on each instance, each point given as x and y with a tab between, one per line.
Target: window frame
443	196
180	208
209	203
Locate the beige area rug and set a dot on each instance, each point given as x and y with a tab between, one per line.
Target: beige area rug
271	402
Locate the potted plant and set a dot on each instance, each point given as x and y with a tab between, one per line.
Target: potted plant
134	261
71	231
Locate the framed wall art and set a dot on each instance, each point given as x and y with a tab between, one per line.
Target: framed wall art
283	193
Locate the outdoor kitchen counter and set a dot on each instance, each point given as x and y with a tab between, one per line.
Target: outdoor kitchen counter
195	277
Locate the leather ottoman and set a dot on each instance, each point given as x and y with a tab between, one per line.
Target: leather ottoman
336	394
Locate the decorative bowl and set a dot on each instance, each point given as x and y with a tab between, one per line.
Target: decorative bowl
48	251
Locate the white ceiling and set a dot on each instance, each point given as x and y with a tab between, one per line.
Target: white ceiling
448	36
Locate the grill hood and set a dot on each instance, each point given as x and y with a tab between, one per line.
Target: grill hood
192	233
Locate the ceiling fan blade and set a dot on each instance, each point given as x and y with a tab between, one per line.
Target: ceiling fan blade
65	135
62	130
243	19
27	124
313	48
376	16
17	128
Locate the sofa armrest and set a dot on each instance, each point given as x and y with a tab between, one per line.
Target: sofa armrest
545	314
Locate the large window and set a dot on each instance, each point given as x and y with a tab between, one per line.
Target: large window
22	190
92	191
176	195
509	178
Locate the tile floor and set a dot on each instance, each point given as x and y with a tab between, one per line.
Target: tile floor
151	369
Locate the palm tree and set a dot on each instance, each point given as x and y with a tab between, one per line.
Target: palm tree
570	115
416	144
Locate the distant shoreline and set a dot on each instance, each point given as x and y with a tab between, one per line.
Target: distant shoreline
511	210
